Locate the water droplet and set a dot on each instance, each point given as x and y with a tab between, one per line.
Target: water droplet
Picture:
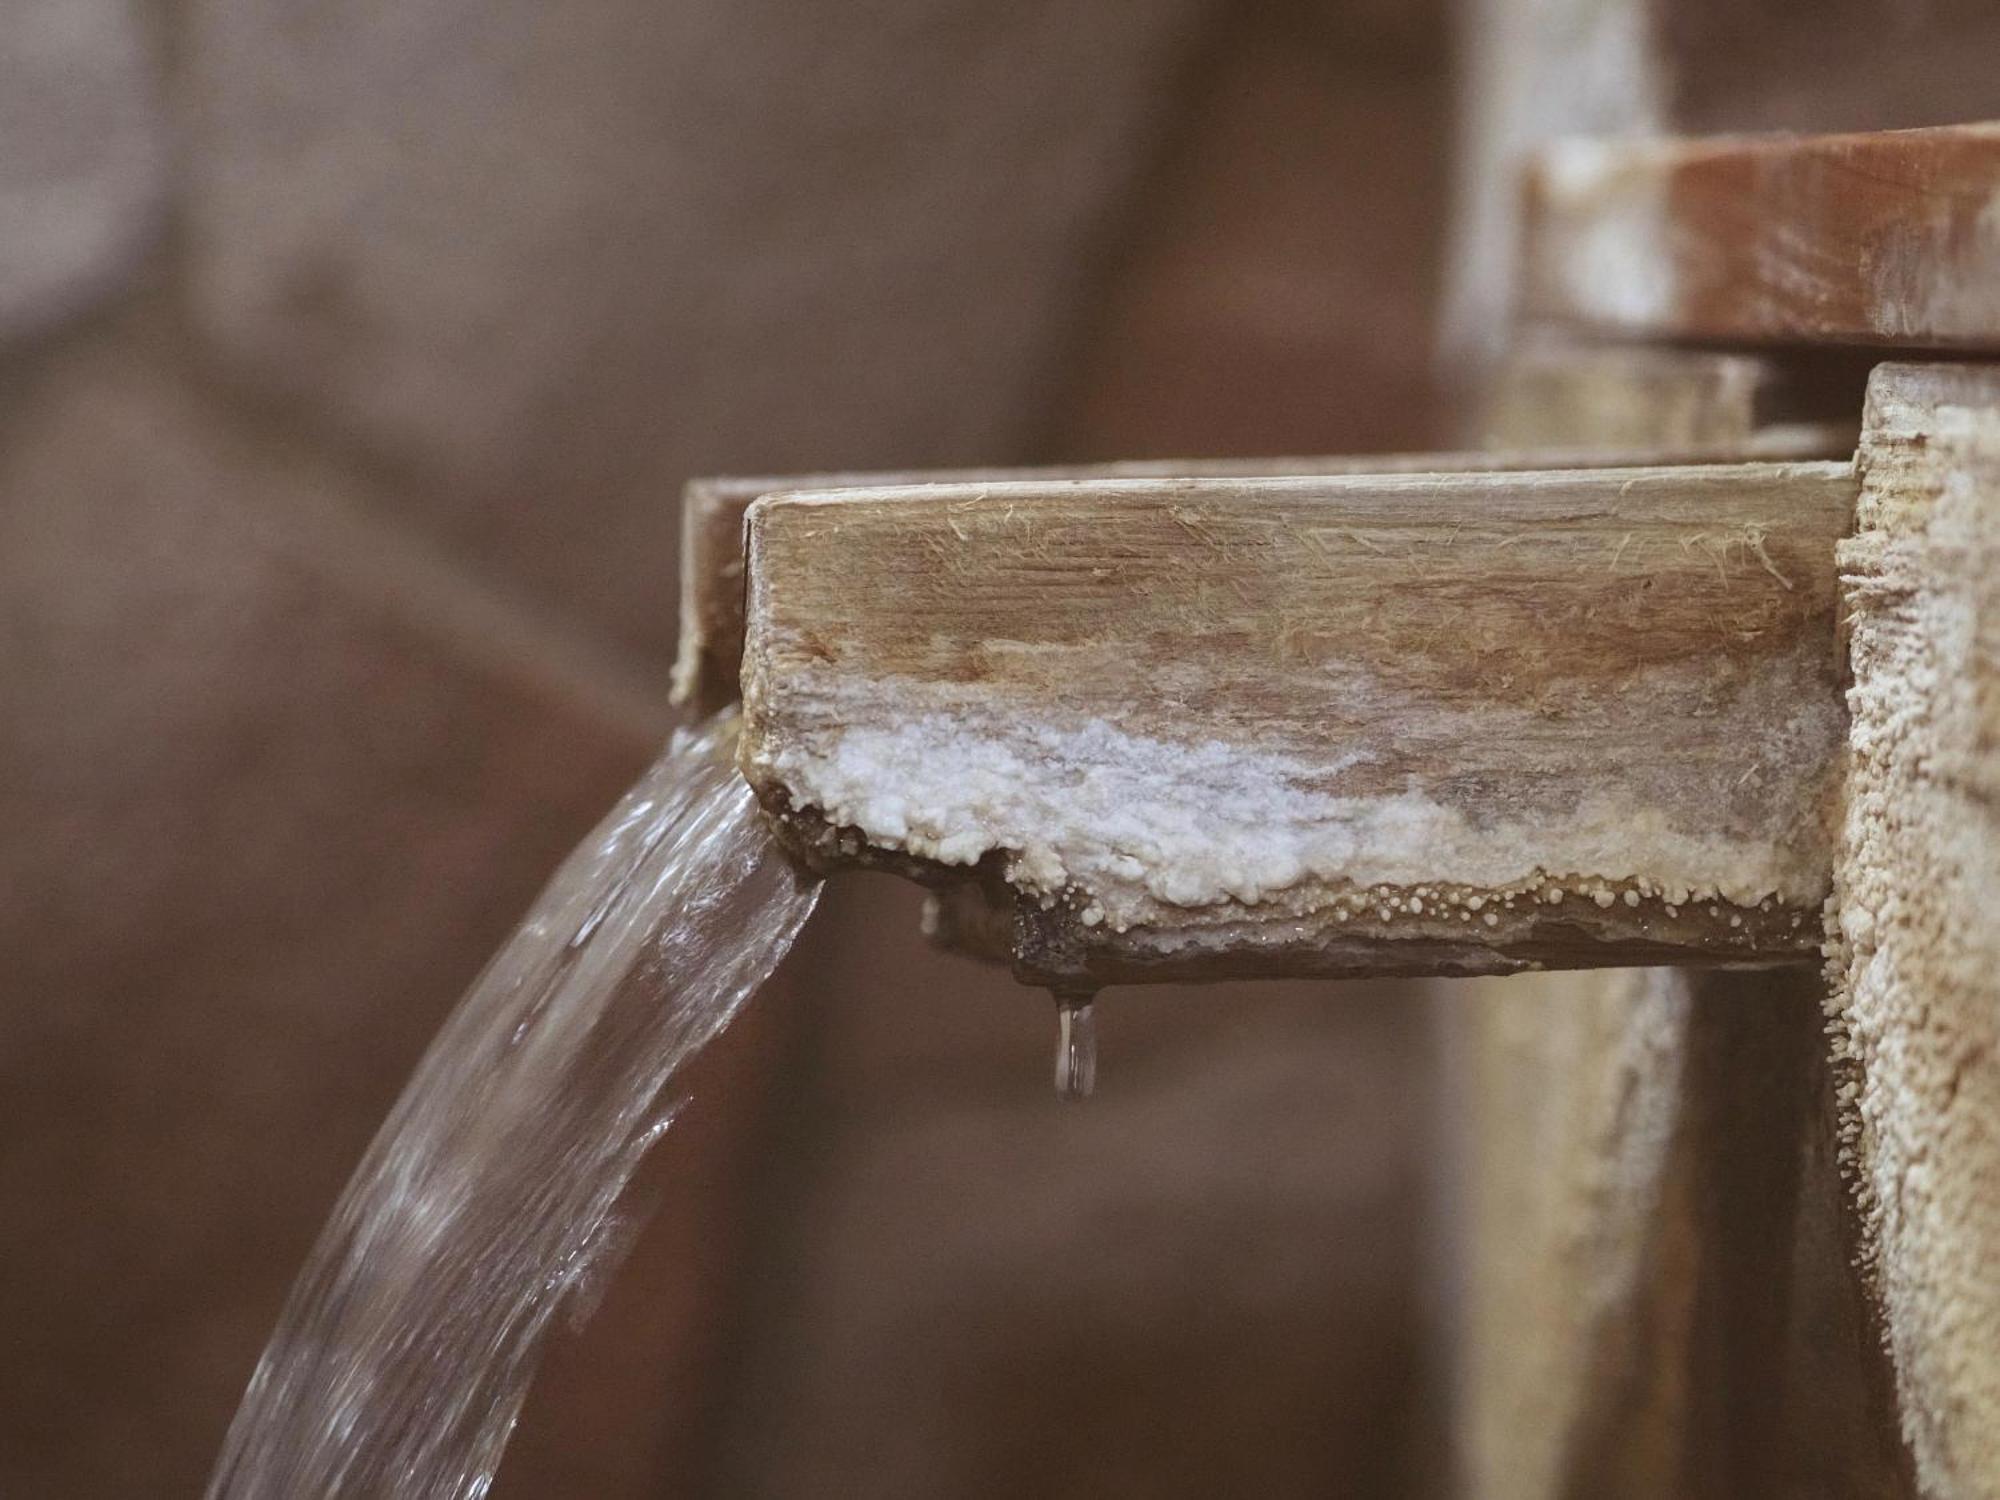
1076	1047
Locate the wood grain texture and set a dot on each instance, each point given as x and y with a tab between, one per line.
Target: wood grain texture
1916	966
1890	238
711	594
711	607
1348	724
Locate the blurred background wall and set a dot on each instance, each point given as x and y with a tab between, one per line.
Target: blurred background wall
351	355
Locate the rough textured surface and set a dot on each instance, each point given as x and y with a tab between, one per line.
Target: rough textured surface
559	261
1655	1295
1915	1010
1539	69
1146	704
83	156
1696	401
1885	238
710	651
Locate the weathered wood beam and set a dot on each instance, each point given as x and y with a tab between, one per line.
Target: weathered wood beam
1916	969
1439	722
1732	428
1889	238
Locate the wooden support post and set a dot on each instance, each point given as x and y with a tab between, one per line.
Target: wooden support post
1428	723
1916	970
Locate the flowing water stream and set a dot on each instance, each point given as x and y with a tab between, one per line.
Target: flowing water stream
489	1197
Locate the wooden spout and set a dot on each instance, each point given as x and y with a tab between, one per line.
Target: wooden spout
1359	724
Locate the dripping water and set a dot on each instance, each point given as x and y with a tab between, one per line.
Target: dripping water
488	1200
1076	1045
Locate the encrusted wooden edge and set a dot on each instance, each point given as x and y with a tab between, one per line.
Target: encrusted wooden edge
947	590
1467	932
1914	963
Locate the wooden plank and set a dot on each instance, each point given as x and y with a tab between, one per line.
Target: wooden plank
1890	238
711	607
1349	724
1916	969
711	597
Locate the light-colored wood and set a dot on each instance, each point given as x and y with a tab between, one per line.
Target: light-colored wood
1611	398
711	601
1916	968
1569	1092
1659	1301
1890	238
1357	724
711	608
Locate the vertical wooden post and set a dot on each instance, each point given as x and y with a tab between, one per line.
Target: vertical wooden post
1916	968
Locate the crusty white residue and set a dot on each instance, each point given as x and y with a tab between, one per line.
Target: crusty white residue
1912	1009
1128	824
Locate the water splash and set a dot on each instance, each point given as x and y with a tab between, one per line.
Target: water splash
1076	1046
487	1201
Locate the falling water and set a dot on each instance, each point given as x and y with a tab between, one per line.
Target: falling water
488	1198
1076	1045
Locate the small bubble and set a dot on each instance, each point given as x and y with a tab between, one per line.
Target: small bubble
1076	1046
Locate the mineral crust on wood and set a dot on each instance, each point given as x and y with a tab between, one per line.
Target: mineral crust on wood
1916	961
1435	722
